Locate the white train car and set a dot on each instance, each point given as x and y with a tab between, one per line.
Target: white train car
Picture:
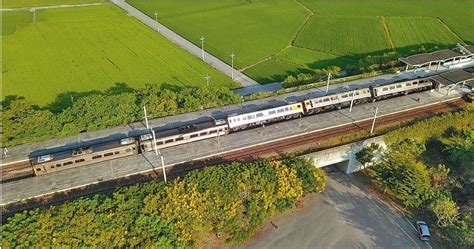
399	88
337	100
243	121
187	134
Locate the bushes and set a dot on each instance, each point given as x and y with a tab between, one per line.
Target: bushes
25	123
429	166
228	201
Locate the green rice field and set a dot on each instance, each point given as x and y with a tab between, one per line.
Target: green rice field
409	32
91	49
279	37
353	37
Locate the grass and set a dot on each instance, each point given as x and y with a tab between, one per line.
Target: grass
253	31
344	36
345	28
429	32
31	3
274	70
312	59
14	20
92	48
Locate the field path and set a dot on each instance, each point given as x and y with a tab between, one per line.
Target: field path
185	44
50	7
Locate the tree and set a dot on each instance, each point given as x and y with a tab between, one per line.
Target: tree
367	154
446	211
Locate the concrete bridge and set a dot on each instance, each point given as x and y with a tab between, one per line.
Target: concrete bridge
344	156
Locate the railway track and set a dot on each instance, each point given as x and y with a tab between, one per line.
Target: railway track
313	140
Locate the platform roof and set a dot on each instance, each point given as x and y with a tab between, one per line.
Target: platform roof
434	57
468	49
454	77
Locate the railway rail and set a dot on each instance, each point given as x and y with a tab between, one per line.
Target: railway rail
313	140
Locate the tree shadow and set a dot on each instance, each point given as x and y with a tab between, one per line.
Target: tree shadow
354	60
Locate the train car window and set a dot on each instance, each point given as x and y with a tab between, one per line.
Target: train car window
179	138
288	108
159	143
399	86
58	165
168	141
213	131
99	156
345	96
194	135
385	89
415	83
108	154
230	120
280	110
326	99
52	166
67	163
392	87
299	106
408	84
117	152
259	115
320	101
357	93
220	130
244	118
272	112
79	161
38	169
203	134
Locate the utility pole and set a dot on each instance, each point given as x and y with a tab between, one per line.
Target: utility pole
207	79
72	99
352	100
156	16
158	153
327	84
232	56
202	46
374	110
242	102
146	118
5	152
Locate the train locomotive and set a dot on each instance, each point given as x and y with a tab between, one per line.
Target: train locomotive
234	123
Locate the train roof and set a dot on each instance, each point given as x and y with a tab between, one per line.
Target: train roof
60	155
184	129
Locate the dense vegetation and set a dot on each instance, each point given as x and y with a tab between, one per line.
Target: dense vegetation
24	122
227	202
325	32
429	166
77	50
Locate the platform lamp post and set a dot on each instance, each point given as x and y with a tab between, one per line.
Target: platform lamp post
352	100
327	84
202	46
157	151
374	110
232	56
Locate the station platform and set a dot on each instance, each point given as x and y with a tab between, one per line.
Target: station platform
82	176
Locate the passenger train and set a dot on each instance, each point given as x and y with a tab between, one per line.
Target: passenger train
45	164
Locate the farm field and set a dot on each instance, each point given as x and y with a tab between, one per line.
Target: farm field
31	3
407	32
312	59
253	31
91	49
345	29
274	70
353	37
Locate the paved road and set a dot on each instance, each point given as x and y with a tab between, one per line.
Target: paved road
185	44
50	7
344	216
